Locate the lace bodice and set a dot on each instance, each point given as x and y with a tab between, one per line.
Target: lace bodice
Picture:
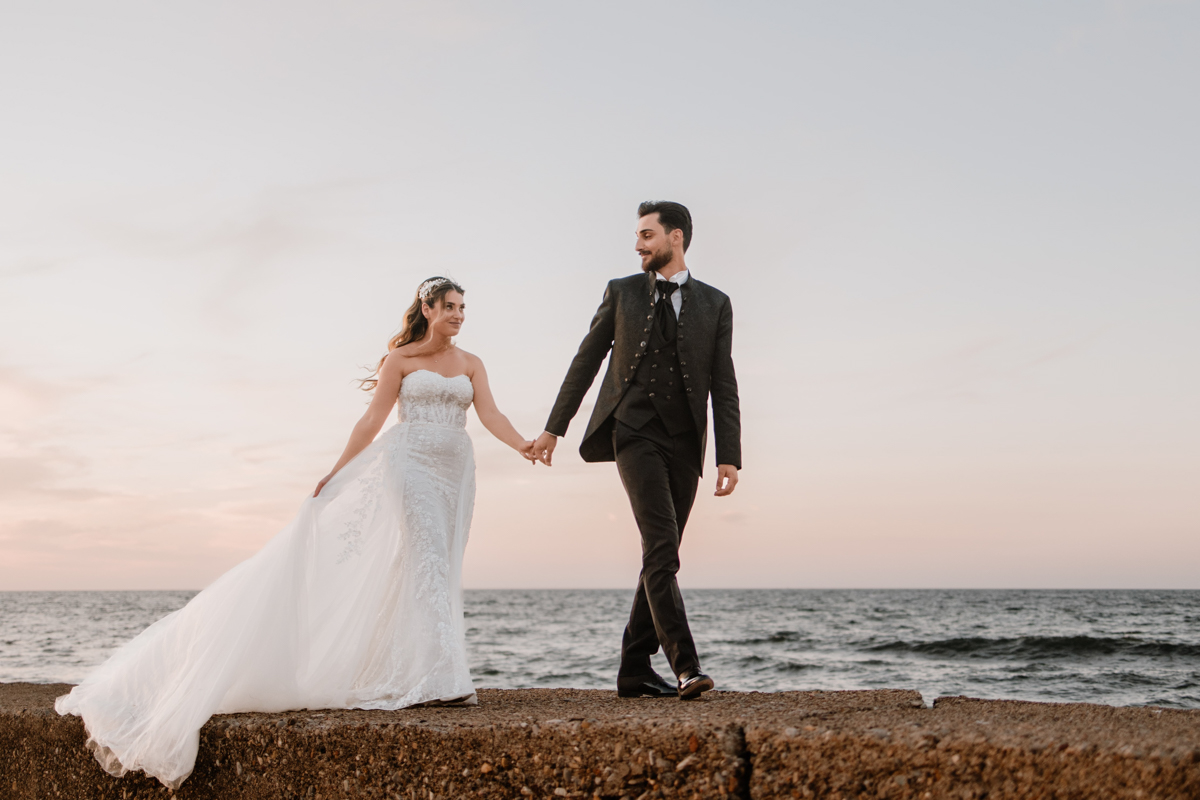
432	398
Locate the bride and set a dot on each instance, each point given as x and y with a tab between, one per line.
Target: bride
357	603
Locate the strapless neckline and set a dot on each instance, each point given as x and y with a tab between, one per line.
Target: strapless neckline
440	375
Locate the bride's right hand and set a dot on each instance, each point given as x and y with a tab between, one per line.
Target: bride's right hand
321	484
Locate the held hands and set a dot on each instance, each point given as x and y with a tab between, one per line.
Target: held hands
727	478
543	448
539	450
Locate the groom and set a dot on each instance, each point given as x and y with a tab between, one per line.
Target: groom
671	338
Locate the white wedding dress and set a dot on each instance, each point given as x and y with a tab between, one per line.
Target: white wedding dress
357	603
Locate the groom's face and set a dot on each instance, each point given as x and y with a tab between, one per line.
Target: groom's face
653	244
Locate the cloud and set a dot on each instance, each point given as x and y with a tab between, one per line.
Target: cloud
265	452
34	265
239	244
20	475
1063	351
18	384
37	535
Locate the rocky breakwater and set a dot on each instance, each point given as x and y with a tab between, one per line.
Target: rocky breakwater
566	743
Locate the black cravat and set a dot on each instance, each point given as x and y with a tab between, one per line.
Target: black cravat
664	311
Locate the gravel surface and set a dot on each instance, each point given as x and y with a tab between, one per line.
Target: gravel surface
575	743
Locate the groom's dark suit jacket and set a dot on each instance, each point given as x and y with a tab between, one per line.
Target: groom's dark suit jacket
622	324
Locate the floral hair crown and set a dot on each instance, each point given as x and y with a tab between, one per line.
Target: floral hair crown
428	287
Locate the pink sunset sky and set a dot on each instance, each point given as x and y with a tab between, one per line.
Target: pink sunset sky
960	241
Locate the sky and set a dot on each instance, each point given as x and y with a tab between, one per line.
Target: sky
960	240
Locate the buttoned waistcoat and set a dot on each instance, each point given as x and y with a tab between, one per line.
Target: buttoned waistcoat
622	325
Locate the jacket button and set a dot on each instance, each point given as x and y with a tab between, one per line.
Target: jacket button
627	380
652	394
689	390
649	316
643	344
685	377
681	323
683	363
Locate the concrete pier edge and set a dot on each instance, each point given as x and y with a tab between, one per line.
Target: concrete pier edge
574	743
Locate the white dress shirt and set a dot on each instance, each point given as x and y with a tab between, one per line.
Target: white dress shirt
679	278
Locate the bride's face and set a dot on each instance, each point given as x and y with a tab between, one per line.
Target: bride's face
446	318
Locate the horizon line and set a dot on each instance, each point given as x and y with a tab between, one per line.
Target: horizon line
732	589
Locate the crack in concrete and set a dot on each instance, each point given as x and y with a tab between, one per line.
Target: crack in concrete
746	774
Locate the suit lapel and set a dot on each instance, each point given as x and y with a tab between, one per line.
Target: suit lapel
693	301
685	291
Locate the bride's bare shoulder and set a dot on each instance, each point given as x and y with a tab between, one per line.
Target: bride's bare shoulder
396	361
474	362
405	355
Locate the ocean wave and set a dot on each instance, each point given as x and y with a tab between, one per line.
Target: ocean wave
1039	647
774	638
1114	647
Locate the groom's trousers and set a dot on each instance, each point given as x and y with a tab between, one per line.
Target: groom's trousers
661	473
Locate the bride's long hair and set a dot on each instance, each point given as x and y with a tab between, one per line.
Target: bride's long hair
415	326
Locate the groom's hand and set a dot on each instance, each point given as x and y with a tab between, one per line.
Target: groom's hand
726	479
543	448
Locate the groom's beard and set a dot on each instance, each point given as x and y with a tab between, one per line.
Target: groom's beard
659	260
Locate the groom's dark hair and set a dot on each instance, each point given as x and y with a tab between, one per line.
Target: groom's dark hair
671	216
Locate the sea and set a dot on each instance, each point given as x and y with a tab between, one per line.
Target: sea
1122	648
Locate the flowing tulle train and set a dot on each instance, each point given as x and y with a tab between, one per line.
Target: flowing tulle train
357	603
